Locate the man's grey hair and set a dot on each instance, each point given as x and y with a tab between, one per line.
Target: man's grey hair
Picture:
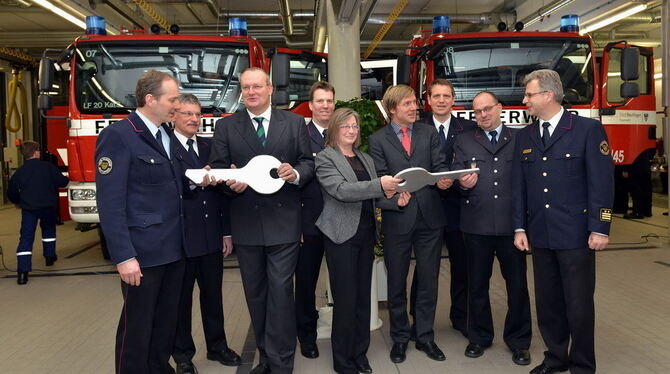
187	98
548	80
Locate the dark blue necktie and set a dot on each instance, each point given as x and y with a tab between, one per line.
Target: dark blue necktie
545	133
494	140
443	138
191	151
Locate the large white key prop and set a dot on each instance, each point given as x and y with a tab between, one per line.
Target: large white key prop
416	178
258	174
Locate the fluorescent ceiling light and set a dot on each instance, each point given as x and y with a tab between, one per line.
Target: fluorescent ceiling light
547	12
615	18
61	12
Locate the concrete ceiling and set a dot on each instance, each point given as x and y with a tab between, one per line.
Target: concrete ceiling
30	28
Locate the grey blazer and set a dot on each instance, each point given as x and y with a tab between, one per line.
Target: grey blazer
343	193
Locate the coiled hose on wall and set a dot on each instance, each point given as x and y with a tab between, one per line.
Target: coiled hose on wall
15	119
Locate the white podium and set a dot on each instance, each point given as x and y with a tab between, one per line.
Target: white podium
325	322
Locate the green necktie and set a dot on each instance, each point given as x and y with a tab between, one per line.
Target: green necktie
260	131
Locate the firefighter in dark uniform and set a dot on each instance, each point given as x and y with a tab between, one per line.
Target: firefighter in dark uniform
31	189
322	105
486	223
139	190
562	209
207	241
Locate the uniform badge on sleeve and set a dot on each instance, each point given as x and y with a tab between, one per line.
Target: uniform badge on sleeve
604	148
606	215
104	165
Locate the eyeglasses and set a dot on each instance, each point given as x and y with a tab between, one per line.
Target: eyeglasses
350	127
485	109
528	95
190	114
255	87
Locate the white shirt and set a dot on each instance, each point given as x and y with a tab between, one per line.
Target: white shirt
266	124
266	119
498	130
182	139
446	125
553	122
165	138
319	127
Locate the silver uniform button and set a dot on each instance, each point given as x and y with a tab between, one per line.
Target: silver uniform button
547	206
152	160
495	159
544	174
204	202
206	215
544	158
495	196
495	170
495	183
546	190
567	155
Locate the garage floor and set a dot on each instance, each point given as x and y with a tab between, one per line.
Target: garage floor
64	319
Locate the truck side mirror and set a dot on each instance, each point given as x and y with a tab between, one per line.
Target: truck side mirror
629	63
281	71
630	72
47	74
44	101
404	64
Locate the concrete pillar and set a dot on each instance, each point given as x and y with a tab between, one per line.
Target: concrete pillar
344	55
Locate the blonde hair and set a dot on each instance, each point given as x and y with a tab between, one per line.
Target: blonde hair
394	95
338	118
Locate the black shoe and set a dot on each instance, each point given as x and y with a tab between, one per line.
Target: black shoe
186	368
544	369
50	260
474	350
260	369
633	216
521	357
22	278
225	356
363	368
431	350
309	350
398	352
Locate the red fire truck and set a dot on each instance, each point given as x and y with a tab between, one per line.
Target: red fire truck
498	62
99	76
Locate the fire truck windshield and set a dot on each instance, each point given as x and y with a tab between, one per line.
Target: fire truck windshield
106	74
500	66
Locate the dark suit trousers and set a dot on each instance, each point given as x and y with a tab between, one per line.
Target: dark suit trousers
306	276
208	271
482	249
458	313
427	245
146	332
267	277
459	282
564	286
350	271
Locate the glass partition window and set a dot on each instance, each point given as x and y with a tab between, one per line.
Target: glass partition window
500	66
106	74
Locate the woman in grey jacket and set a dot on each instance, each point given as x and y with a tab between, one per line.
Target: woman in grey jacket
350	187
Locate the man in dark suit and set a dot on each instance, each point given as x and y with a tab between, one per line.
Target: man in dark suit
486	222
562	207
322	105
207	242
266	228
441	97
418	226
139	190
